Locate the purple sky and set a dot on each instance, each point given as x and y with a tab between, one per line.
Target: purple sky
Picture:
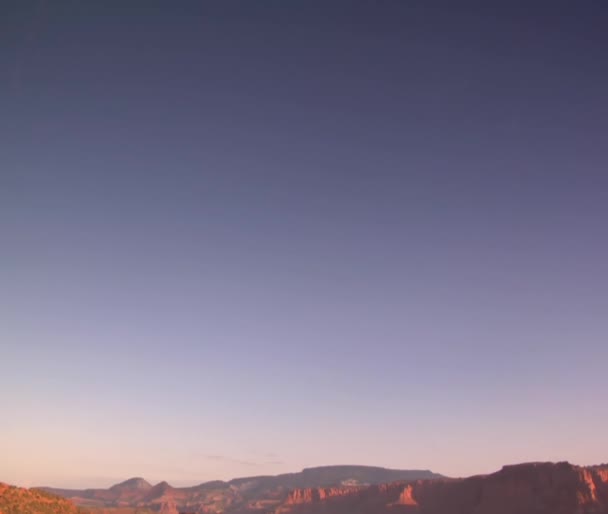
240	238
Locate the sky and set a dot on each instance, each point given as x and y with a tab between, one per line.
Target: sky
248	237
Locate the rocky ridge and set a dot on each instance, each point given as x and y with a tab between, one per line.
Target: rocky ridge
533	488
530	488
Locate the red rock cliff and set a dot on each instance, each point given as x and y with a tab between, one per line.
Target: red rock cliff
317	494
535	488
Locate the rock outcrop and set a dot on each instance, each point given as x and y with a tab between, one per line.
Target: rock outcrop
316	494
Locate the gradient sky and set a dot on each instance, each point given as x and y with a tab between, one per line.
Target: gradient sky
241	238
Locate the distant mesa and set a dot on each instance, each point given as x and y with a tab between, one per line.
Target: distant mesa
532	488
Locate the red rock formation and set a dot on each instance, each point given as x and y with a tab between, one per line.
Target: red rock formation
260	494
316	494
536	488
407	496
168	507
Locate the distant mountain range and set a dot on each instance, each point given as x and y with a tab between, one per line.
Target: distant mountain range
532	488
258	493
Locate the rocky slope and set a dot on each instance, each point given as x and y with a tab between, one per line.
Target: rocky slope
15	500
535	488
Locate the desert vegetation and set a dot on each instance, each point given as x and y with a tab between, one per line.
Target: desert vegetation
15	500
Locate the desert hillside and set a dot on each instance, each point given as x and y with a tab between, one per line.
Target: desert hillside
16	500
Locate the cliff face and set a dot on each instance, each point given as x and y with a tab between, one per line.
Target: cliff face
316	494
536	488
